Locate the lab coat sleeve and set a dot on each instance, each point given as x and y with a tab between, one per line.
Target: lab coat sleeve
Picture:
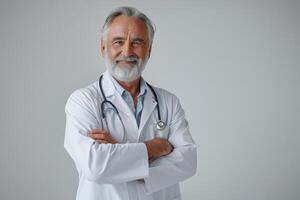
100	163
181	163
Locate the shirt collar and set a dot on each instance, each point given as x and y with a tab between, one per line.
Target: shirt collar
121	90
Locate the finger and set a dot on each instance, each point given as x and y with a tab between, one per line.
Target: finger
92	136
102	141
98	136
97	131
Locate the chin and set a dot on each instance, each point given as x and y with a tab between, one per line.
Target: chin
126	79
126	66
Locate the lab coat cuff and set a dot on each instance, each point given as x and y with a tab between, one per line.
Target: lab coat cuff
155	181
145	163
149	185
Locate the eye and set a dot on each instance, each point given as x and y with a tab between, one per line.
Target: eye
118	42
137	43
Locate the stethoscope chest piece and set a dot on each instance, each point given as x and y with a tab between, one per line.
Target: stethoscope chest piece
160	125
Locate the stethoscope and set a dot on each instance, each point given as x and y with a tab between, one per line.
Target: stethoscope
160	125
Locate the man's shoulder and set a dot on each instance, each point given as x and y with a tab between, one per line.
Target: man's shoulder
165	94
87	93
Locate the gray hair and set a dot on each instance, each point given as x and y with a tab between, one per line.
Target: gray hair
129	12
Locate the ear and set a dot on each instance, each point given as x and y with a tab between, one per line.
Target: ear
149	51
102	47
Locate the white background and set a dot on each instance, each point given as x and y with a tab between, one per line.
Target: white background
233	64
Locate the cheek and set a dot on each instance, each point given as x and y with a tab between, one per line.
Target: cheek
142	53
112	53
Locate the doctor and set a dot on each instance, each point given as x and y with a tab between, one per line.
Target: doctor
128	139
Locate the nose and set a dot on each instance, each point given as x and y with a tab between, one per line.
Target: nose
127	49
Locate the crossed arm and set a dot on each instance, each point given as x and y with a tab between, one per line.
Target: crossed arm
156	147
167	165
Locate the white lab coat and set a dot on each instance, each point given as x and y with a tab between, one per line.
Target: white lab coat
121	171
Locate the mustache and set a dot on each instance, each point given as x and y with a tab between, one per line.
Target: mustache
127	59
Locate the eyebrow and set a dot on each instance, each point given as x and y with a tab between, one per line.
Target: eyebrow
118	38
139	40
135	39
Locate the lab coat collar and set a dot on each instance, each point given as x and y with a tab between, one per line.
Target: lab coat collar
111	93
148	108
107	85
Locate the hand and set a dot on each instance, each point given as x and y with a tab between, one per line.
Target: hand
102	136
158	147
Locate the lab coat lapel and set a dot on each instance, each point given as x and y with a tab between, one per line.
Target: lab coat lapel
113	96
149	106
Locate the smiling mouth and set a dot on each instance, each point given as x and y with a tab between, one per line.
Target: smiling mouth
127	62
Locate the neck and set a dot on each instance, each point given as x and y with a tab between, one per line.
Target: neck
132	87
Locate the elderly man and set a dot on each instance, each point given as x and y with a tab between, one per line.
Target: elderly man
128	139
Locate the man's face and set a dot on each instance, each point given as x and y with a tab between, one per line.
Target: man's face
126	48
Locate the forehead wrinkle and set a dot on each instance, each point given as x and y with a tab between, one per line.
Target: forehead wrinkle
129	28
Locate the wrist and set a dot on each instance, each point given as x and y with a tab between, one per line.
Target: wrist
148	147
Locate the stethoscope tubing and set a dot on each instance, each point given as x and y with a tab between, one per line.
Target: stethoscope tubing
109	102
160	124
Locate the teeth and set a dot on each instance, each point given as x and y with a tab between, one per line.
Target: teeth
128	60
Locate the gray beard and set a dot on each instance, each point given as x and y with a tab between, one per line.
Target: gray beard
125	73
